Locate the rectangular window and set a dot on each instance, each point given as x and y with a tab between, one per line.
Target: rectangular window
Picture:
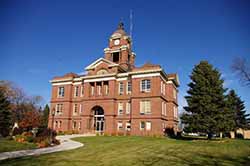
128	126
76	91
164	89
79	125
128	106
145	107
119	126
99	88
82	90
165	109
56	125
121	89
61	92
148	126
106	87
59	109
129	87
174	93
161	86
162	108
145	85
142	125
120	108
80	108
75	109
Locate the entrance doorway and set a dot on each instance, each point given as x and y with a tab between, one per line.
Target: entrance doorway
98	119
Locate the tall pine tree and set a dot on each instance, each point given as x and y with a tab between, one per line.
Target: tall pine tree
237	107
5	115
45	117
206	101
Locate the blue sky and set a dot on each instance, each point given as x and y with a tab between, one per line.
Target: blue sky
41	39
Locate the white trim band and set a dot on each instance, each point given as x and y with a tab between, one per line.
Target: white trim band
146	75
99	79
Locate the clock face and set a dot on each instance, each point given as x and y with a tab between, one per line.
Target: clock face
117	41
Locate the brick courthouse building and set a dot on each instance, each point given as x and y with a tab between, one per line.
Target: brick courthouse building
115	96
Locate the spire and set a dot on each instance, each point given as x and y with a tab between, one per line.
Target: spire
120	25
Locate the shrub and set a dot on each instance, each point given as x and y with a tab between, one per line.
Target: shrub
30	139
60	133
17	131
170	132
239	135
68	132
120	133
47	133
20	138
56	141
43	143
27	134
113	134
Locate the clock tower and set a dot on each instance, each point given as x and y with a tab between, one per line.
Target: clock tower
119	50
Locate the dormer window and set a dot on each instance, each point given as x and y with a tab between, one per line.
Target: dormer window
116	57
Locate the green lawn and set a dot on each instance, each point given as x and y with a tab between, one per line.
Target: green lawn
10	145
139	151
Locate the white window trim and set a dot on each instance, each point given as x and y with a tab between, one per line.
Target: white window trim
148	126
145	107
129	92
146	83
58	92
119	88
120	107
126	127
75	107
99	90
164	88
80	108
76	89
128	108
82	91
119	124
79	125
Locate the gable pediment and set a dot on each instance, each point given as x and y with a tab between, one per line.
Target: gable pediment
100	61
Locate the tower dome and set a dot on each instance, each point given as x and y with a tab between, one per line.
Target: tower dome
119	31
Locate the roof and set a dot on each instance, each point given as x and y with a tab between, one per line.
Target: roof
120	31
67	75
98	61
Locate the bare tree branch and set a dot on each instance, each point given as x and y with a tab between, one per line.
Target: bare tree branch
242	69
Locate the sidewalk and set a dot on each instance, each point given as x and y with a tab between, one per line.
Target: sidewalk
66	144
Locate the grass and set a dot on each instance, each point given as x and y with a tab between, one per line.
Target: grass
144	151
11	145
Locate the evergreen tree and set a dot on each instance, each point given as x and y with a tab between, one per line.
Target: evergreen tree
45	116
236	105
5	115
206	101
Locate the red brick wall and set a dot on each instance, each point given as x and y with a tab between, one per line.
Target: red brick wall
109	103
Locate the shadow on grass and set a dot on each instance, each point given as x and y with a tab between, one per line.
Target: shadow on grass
197	160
